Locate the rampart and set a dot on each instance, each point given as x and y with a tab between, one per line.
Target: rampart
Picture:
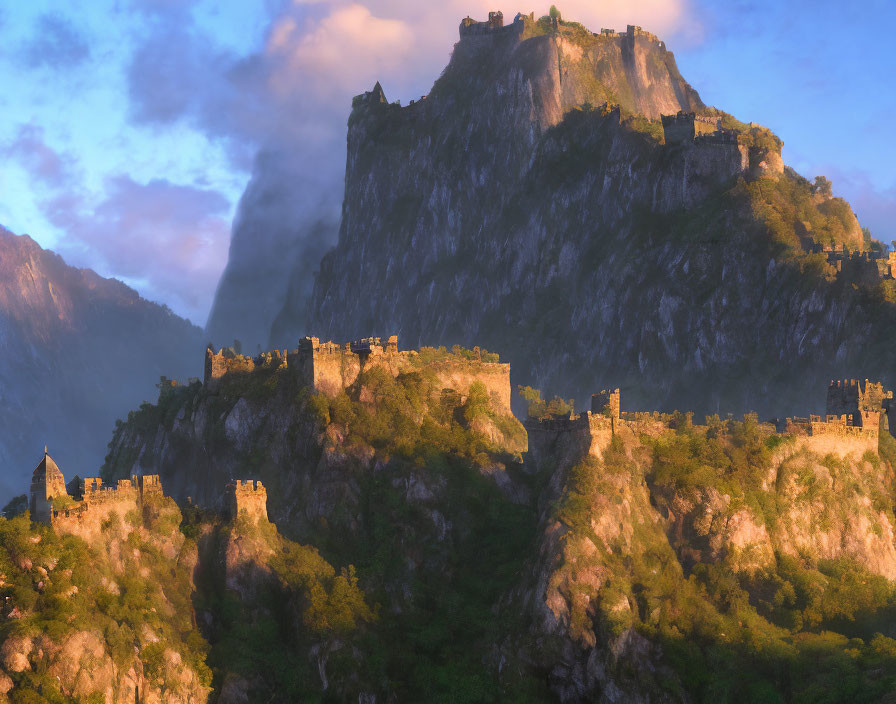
92	505
854	431
223	362
330	368
247	499
493	26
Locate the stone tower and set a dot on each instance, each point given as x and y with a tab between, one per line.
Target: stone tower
47	483
606	400
248	499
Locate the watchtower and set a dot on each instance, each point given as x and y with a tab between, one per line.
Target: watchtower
247	499
862	404
47	483
679	128
606	401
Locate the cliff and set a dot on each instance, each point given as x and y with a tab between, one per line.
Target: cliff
624	557
513	208
76	352
106	620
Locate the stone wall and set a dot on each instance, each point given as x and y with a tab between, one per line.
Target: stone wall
679	129
225	361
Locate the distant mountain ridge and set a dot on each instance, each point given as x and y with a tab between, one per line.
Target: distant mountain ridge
77	351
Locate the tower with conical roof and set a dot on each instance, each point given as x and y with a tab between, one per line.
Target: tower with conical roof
47	482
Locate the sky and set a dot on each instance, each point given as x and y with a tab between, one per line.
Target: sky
131	127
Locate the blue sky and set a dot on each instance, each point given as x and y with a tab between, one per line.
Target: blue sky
131	126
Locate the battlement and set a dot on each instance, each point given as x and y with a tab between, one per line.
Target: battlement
851	425
247	499
493	26
606	402
90	503
679	128
225	361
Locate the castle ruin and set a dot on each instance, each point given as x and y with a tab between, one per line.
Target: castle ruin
685	130
82	509
89	503
855	414
247	500
330	368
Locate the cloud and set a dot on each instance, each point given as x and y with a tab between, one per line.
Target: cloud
171	238
55	43
31	151
282	108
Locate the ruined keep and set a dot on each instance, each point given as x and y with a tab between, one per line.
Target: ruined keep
863	406
494	25
330	367
606	402
248	500
679	128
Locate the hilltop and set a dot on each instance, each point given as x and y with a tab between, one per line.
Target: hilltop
567	197
624	556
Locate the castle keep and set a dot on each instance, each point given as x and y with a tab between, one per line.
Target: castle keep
330	368
689	130
247	499
83	507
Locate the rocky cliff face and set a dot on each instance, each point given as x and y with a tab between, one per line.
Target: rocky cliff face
278	237
503	209
106	621
673	562
76	352
639	548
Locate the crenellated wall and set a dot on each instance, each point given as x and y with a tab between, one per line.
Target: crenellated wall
247	499
225	361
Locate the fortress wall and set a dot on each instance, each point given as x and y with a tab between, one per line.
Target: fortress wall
839	440
460	376
217	364
331	372
86	519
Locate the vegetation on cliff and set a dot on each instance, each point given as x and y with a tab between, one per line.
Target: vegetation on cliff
687	562
714	544
88	621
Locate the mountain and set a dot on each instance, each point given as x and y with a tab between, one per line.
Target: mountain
275	248
626	556
77	352
536	202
